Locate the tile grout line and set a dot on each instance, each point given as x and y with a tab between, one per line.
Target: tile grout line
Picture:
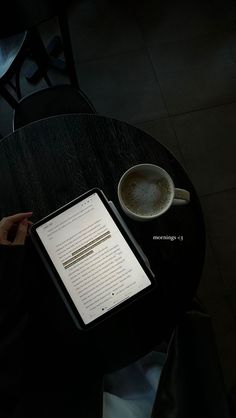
218	192
105	57
179	147
152	66
159	84
200	109
157	81
172	116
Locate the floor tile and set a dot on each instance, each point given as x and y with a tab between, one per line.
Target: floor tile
196	73
211	285
227	350
196	89
103	28
171	20
207	142
209	50
219	210
123	87
162	131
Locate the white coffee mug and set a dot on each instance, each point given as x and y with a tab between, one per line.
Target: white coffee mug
146	191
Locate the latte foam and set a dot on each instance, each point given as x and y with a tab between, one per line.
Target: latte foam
146	196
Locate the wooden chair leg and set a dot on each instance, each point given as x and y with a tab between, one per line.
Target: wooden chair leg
18	89
8	97
47	79
12	85
40	55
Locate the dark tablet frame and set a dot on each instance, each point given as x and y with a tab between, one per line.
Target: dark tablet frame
59	282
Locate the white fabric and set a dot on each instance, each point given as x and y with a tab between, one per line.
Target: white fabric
130	392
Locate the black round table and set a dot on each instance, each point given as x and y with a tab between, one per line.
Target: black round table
48	163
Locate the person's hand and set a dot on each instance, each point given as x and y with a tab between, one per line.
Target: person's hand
14	228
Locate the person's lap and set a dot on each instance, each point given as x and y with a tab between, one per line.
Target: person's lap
62	367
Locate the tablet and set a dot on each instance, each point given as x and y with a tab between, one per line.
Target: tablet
91	258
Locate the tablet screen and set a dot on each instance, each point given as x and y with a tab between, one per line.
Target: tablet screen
92	257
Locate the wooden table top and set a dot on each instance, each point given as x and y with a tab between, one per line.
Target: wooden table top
48	163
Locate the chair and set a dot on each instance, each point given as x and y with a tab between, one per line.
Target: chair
13	52
191	383
20	19
48	102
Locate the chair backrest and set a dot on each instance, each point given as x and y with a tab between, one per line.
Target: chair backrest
52	101
191	383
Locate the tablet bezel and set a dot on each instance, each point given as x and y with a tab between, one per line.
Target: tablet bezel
59	282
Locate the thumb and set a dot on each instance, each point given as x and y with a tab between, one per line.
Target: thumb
21	233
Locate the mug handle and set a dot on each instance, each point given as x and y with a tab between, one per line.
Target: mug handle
181	197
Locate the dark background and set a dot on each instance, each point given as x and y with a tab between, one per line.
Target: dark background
170	69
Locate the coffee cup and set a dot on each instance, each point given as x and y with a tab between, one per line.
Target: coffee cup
146	191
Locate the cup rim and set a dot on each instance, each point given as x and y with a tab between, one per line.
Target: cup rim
130	212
